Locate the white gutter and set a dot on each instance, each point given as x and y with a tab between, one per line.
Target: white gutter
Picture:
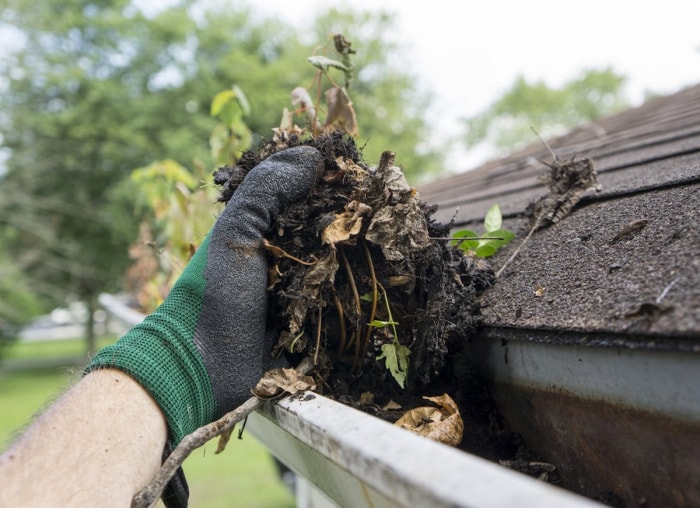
358	460
351	459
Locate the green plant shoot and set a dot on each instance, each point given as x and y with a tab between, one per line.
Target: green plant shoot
395	358
231	136
487	244
394	354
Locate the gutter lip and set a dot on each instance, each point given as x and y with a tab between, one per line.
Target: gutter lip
406	469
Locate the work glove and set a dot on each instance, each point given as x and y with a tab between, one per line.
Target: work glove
200	353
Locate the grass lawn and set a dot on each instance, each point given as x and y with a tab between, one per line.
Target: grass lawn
242	476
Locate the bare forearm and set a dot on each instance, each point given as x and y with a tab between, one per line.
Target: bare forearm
96	446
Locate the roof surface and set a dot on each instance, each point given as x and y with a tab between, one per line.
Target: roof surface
640	289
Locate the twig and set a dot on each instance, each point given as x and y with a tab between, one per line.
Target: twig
318	334
666	290
522	244
280	252
373	312
356	296
151	492
341	319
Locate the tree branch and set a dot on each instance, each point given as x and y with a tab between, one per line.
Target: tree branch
151	492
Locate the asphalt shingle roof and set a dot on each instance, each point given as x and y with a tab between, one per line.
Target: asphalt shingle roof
641	290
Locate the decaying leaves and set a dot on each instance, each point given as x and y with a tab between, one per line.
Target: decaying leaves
442	423
341	114
364	231
567	182
276	382
401	207
346	225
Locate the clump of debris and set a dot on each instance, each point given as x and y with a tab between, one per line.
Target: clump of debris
363	279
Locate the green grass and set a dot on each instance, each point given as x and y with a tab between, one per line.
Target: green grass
50	349
242	476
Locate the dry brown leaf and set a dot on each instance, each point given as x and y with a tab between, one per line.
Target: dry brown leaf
322	273
275	382
539	290
341	229
567	182
391	406
442	423
341	114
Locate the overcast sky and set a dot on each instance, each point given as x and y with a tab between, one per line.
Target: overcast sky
468	53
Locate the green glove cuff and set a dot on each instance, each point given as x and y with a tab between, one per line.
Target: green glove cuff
161	355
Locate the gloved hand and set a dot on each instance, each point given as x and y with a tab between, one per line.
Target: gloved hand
200	353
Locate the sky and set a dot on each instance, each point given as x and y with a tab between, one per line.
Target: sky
468	53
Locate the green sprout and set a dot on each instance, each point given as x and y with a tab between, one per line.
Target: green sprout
487	244
394	354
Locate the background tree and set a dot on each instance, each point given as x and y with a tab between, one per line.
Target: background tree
506	124
99	89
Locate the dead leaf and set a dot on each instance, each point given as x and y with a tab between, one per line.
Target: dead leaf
319	275
346	225
442	423
567	182
341	114
399	226
539	290
275	382
391	406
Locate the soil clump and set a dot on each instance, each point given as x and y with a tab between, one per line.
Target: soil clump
366	282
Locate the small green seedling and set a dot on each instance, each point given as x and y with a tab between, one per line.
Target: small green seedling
487	244
394	354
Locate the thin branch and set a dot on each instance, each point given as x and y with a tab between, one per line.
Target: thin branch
341	319
356	296
154	490
522	244
318	334
151	492
373	312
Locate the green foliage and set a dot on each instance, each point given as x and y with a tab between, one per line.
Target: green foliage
487	244
98	89
390	107
507	123
395	357
232	136
394	354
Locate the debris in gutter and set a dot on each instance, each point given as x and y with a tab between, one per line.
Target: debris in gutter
443	423
542	470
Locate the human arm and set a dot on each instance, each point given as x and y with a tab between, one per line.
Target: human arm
97	445
199	354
